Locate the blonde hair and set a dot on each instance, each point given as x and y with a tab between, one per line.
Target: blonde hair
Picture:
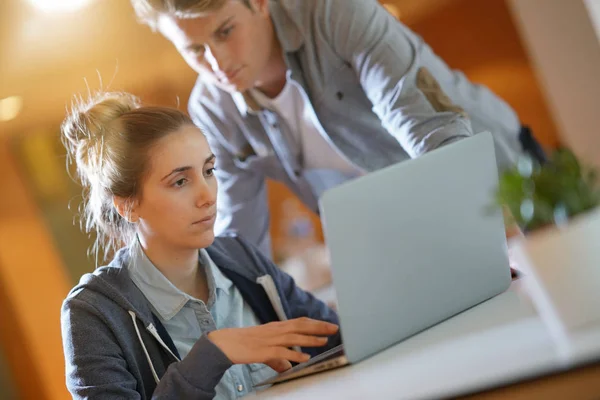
149	11
108	139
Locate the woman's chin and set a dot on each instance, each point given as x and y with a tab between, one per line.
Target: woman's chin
204	240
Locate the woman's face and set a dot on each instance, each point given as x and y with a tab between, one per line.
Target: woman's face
177	204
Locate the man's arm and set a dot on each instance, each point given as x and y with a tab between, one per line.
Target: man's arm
242	205
405	96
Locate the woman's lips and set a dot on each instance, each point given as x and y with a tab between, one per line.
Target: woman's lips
208	220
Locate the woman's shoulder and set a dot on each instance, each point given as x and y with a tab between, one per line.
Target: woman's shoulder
232	251
108	286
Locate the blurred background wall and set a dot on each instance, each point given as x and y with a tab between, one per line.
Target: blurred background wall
45	58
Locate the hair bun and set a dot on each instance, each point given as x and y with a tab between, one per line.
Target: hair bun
87	123
88	119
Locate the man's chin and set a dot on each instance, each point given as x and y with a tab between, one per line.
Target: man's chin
234	87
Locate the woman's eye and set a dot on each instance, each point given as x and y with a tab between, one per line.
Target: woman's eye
180	182
210	171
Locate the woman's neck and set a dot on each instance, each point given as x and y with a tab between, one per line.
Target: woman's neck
178	265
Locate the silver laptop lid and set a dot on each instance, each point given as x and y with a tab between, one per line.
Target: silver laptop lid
415	243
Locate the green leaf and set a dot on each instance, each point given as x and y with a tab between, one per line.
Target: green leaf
561	188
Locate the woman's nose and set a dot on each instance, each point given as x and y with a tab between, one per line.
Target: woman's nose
206	194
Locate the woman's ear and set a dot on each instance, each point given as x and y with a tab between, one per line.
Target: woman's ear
126	208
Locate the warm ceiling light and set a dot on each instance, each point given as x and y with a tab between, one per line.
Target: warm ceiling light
59	5
10	107
392	9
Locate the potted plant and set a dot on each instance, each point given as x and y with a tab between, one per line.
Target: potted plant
557	206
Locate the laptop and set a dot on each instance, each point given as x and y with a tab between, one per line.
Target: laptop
411	245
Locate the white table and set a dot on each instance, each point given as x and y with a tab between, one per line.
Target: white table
498	341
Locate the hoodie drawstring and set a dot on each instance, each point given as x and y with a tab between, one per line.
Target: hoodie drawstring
152	329
268	284
133	317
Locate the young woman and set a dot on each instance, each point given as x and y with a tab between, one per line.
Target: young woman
177	313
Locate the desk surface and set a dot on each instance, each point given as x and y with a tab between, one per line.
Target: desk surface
501	340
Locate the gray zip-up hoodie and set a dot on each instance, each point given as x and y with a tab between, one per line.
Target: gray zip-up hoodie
116	348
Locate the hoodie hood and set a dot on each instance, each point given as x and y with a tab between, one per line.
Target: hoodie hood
113	281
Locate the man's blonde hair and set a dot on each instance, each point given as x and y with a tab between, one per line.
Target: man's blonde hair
148	11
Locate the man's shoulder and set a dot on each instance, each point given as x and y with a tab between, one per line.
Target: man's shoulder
302	11
308	22
296	7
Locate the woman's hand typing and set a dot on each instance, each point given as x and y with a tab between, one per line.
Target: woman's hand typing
270	343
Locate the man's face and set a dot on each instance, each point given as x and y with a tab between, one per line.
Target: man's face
230	46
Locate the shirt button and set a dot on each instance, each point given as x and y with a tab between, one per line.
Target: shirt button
240	388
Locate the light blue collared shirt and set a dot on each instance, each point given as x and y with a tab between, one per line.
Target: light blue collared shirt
380	94
187	318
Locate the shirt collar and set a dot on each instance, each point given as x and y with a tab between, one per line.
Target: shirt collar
221	282
246	103
165	297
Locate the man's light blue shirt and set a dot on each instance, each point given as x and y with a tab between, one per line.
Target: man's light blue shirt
187	318
379	93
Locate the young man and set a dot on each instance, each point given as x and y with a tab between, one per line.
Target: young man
315	92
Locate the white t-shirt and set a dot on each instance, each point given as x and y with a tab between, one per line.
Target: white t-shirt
308	138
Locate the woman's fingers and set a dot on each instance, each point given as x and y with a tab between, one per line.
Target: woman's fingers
287	354
272	341
279	365
305	326
294	339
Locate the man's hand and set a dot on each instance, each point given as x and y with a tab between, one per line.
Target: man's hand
270	343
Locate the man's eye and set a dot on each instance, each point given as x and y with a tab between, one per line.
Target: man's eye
225	32
196	50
